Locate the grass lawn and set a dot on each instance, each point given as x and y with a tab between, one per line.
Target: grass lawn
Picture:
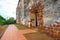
2	29
20	26
37	36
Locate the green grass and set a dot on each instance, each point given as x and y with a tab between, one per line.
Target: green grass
20	26
37	36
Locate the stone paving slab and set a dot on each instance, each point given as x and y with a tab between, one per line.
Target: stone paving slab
12	33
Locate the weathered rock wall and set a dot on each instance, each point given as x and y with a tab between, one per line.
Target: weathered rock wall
51	11
22	12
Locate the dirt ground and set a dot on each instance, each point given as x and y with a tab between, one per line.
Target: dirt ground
37	36
2	29
34	35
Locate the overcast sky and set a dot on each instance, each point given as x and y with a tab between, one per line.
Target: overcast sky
8	8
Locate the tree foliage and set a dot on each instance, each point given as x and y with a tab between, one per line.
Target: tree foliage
2	21
11	20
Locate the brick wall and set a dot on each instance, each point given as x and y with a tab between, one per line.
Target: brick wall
52	30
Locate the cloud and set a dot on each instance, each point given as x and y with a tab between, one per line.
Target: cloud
8	8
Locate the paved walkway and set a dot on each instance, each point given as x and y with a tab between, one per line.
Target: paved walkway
12	33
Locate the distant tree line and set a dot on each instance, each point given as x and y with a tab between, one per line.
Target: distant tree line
3	21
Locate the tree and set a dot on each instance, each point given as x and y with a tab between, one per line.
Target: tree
11	21
2	21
